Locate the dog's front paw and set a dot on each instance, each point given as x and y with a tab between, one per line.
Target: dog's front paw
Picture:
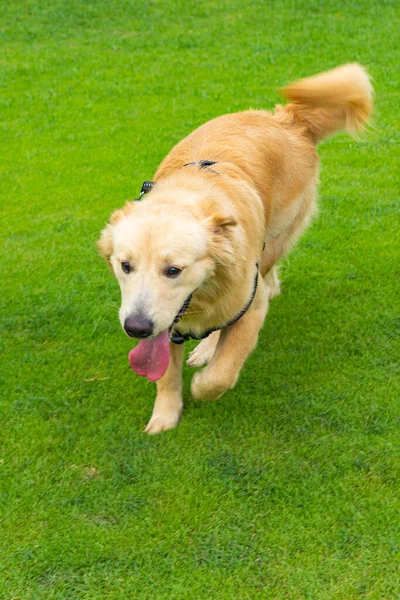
207	387
272	283
162	422
204	351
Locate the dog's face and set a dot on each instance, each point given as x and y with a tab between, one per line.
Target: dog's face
159	255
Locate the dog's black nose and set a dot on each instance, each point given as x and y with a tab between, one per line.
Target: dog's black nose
138	327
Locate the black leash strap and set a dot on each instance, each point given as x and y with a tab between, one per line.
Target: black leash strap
203	164
146	188
148	185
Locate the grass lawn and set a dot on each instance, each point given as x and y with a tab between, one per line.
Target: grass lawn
288	487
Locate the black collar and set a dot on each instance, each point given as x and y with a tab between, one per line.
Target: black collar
203	164
179	338
148	185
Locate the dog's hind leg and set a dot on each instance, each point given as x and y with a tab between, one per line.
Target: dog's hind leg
168	405
234	345
204	351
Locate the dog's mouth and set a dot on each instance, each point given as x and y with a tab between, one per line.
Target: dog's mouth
151	357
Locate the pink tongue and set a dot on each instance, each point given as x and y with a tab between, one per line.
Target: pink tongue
150	358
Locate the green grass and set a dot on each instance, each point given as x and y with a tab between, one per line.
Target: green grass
287	488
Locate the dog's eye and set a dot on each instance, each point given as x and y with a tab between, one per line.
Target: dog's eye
173	272
126	267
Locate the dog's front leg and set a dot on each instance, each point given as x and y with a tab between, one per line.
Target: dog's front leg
168	405
234	346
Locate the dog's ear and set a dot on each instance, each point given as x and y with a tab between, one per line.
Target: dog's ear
220	240
105	243
220	224
119	214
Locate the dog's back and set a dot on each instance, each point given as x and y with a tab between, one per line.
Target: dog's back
276	151
256	140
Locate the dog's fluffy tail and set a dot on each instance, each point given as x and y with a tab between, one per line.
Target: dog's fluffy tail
331	101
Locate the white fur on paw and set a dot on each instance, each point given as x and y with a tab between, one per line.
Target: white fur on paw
161	422
204	351
205	388
274	291
272	283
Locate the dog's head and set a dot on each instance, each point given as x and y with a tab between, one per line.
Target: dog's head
162	250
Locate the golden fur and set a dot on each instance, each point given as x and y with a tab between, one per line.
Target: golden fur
214	223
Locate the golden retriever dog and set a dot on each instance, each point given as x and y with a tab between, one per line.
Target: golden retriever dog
196	257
